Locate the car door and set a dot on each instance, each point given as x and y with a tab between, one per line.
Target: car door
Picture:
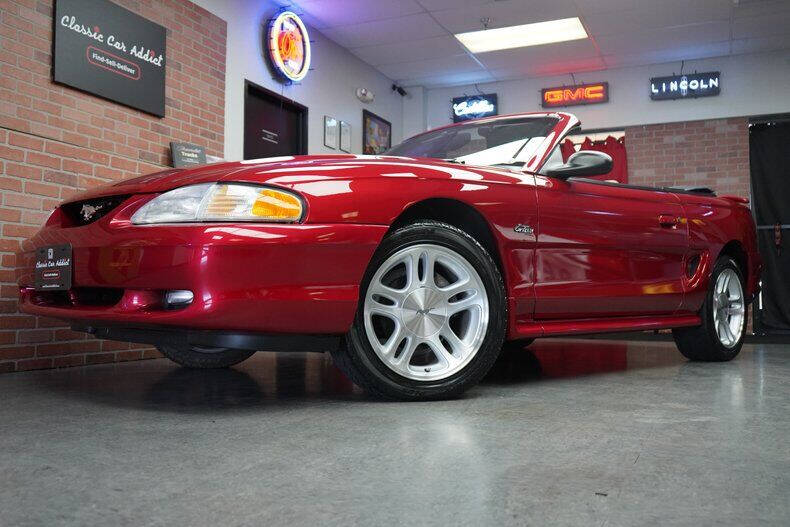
607	250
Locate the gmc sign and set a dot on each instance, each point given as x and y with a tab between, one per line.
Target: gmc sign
574	95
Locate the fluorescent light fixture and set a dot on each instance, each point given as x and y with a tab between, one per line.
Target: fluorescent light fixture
523	36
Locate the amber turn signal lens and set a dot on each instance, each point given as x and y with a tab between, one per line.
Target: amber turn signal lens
277	205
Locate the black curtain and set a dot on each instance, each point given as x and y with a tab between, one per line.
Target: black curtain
769	158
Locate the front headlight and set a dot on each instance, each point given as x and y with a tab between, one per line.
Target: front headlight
221	202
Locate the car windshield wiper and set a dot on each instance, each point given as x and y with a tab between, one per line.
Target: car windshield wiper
510	164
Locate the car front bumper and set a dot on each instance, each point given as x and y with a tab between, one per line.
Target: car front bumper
245	277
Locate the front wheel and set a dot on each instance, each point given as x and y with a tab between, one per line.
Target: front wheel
202	357
720	337
431	318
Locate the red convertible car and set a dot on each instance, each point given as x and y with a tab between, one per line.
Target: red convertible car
412	268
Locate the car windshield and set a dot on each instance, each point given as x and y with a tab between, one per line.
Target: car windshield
491	142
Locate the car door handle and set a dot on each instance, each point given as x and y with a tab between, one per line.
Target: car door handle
667	220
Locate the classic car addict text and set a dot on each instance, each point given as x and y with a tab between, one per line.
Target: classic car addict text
61	262
139	51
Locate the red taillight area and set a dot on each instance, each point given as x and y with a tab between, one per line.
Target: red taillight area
736	199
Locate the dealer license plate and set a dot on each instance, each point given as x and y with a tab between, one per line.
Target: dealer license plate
53	268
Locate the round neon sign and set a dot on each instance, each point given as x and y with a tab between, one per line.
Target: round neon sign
289	46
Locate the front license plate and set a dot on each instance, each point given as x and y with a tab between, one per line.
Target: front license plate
53	268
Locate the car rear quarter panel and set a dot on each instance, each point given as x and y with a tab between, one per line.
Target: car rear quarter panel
712	224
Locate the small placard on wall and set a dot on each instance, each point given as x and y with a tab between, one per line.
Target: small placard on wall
331	132
187	154
345	137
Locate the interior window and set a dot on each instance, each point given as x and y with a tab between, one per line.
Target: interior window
554	160
487	142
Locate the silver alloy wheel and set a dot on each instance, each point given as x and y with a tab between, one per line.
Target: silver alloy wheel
729	309
426	312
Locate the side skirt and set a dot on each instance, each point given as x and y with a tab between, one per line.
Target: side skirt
609	325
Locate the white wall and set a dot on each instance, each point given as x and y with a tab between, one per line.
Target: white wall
329	89
750	85
414	112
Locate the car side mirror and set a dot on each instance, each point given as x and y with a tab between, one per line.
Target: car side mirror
582	163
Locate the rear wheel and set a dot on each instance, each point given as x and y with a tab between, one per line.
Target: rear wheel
204	357
431	317
720	337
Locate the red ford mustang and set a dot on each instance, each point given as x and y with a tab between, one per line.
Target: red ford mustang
411	268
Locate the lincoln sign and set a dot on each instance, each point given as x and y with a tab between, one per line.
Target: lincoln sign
685	86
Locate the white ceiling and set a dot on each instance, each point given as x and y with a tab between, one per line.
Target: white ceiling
411	41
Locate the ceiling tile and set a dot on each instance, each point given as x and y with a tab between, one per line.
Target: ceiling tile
411	40
687	37
332	13
410	27
589	7
429	48
534	69
504	13
307	18
754	45
759	7
547	54
431	67
761	26
438	5
569	66
454	79
676	54
668	13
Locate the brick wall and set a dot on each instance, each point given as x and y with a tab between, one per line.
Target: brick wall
712	153
56	141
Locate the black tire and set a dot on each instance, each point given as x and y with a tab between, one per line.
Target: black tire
196	357
357	359
702	343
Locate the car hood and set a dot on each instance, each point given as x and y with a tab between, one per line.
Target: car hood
288	171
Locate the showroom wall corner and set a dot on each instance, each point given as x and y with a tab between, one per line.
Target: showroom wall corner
700	141
329	88
751	84
56	141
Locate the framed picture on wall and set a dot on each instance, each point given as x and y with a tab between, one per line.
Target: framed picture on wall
376	133
331	129
345	137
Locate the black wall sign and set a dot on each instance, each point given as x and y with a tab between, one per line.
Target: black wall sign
474	107
685	86
106	50
187	154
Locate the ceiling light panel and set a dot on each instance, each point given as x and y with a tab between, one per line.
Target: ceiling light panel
535	34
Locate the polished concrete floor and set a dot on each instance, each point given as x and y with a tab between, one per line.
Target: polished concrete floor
568	432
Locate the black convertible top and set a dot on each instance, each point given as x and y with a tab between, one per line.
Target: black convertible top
694	189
